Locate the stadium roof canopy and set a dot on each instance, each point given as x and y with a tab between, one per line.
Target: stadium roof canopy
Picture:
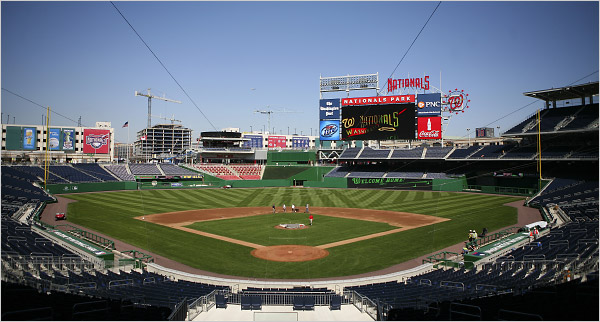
565	93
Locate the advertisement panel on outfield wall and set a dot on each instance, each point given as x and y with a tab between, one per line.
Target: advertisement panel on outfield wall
54	139
29	138
300	142
256	141
68	141
96	141
429	104
391	183
378	122
276	141
329	109
329	130
429	128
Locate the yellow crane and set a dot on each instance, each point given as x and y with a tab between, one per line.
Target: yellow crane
150	97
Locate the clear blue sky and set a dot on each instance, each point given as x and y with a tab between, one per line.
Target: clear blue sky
82	59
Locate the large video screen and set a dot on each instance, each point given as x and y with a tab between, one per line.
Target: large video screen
378	122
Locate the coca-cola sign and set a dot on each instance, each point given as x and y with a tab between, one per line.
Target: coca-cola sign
429	128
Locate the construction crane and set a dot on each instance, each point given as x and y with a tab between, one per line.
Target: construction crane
269	112
150	97
172	119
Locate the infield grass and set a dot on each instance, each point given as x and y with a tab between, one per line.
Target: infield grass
261	229
112	213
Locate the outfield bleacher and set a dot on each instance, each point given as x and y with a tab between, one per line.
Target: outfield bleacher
95	170
414	153
369	153
463	153
38	172
434	152
350	153
144	169
120	170
171	169
71	174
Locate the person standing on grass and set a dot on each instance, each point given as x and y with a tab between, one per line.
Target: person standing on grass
306	208
293	208
283	207
310	218
273	208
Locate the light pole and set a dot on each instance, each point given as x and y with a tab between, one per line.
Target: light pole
250	128
469	136
498	128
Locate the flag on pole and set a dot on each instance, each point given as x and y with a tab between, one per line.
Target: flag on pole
126	124
143	138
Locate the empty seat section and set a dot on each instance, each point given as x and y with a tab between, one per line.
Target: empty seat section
120	170
95	170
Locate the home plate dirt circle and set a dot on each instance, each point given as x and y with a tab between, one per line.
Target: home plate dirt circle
289	253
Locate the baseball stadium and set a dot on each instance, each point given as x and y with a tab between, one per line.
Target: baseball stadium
389	234
380	216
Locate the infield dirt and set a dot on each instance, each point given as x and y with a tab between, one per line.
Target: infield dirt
291	253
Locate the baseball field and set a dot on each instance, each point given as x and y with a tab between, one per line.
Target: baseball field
226	231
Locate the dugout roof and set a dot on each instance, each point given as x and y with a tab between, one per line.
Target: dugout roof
565	93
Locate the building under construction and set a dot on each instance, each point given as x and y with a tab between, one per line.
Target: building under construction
162	141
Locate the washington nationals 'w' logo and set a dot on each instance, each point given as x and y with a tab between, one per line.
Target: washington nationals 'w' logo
457	100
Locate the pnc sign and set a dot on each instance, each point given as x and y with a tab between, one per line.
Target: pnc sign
429	104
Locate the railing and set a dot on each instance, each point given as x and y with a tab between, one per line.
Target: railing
281	298
363	304
104	242
180	311
439	257
494	236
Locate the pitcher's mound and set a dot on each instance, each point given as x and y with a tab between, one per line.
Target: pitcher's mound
289	253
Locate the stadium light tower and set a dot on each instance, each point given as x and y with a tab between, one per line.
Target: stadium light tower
469	136
150	97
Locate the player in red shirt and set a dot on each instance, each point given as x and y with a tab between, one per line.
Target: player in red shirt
311	218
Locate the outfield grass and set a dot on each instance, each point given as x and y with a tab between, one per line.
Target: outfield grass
260	229
112	213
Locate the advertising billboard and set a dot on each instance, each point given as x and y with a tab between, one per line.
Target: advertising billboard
379	122
54	139
68	141
96	141
329	109
256	141
329	130
484	132
429	104
276	141
429	128
29	138
300	142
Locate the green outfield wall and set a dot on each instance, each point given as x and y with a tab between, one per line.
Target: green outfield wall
457	184
256	183
328	183
91	187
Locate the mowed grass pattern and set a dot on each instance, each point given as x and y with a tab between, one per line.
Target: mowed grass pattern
260	229
112	213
